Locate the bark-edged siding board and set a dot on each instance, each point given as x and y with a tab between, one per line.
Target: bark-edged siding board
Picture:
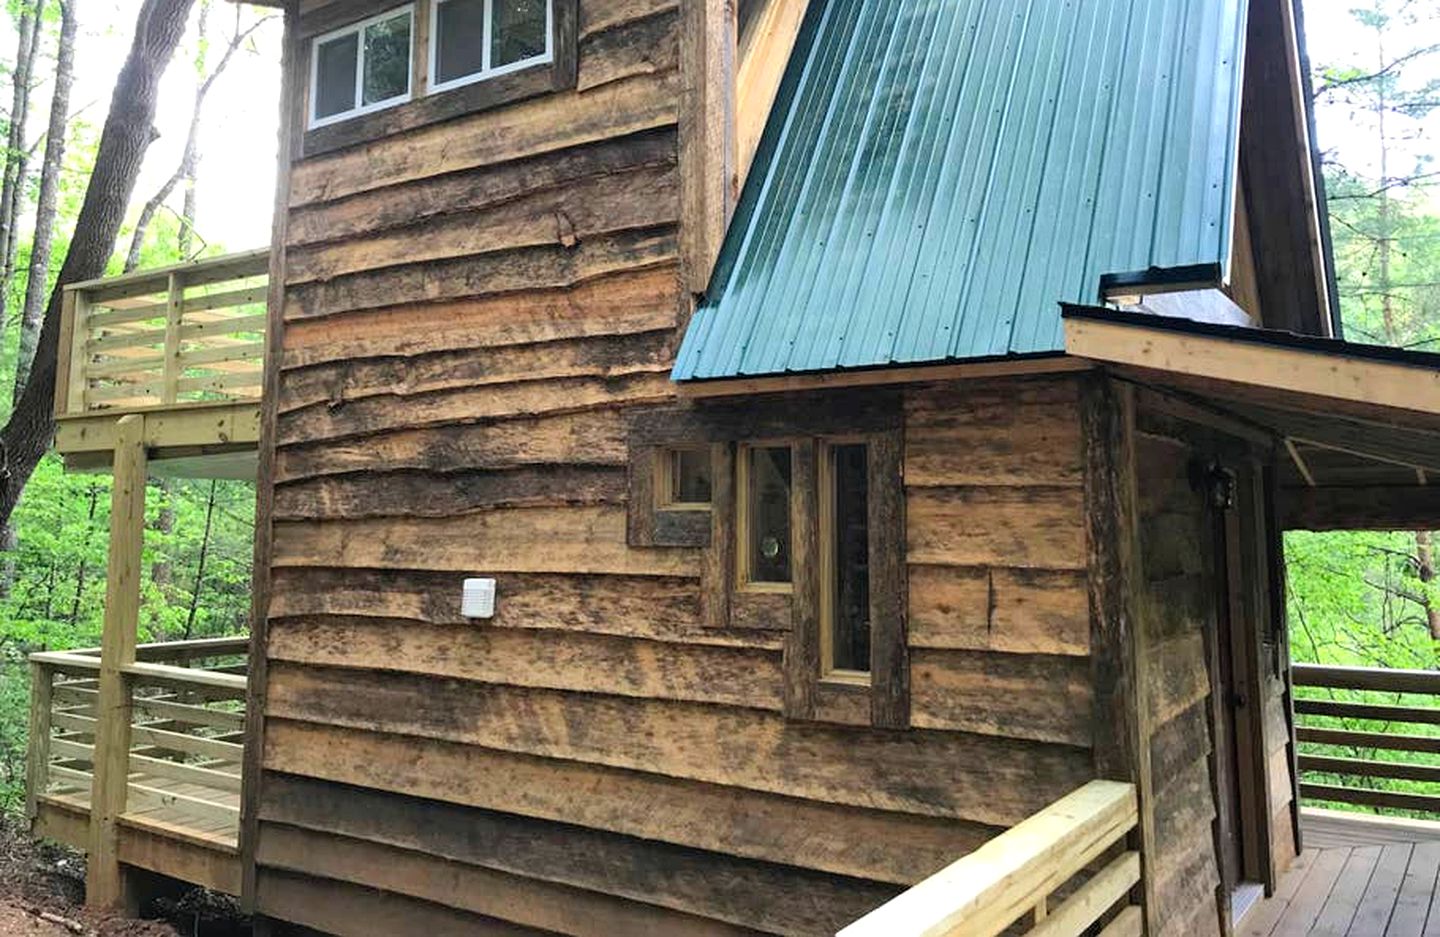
1041	528
633	883
985	779
1023	611
889	649
897	848
1121	725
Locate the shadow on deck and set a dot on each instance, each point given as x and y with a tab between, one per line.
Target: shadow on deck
185	727
1359	876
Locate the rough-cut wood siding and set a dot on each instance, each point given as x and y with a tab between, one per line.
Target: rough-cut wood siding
471	308
1177	595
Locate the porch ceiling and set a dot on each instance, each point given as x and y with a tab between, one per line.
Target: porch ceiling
1359	424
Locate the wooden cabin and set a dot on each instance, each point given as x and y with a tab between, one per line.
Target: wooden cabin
721	464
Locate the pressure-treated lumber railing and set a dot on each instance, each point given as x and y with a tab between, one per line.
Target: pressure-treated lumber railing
193	333
185	726
1018	873
1369	736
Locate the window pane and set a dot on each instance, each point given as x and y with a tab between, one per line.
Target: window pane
850	638
335	75
459	39
690	478
518	32
387	59
769	495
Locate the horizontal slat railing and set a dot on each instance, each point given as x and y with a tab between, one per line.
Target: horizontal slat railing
1366	738
186	734
1017	874
189	334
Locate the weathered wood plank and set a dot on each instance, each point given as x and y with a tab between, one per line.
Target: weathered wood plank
543	267
1018	610
544	124
621	304
648	46
1029	696
426	494
560	660
585	539
337	383
1011	527
523	399
339	908
424	874
898	848
583	208
653	607
595	437
575	865
422	199
979	778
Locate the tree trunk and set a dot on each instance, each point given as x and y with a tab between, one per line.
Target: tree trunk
84	550
45	208
126	136
16	155
200	563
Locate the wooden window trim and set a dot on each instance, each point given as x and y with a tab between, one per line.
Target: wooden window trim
312	69
424	107
825	516
665	469
803	421
741	511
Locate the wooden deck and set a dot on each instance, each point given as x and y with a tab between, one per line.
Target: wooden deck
1358	877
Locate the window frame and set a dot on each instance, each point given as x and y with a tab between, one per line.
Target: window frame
358	28
829	562
667	467
742	509
485	73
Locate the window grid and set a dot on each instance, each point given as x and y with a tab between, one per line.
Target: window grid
358	30
487	39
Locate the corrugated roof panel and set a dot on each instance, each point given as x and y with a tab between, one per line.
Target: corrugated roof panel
937	175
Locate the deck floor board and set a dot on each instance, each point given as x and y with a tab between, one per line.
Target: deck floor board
1358	877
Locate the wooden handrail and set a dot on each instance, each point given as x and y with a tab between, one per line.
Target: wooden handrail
1338	763
1016	873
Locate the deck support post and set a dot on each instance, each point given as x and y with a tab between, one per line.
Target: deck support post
105	881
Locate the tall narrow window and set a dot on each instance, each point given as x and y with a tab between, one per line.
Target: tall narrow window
471	40
845	560
361	68
764	528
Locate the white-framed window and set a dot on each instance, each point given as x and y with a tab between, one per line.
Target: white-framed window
471	40
362	67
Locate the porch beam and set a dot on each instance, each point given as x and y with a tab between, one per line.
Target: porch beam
1379	508
105	884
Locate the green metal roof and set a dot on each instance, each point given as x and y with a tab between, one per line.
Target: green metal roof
937	175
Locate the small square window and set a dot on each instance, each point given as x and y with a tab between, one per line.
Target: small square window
765	522
361	68
472	40
684	481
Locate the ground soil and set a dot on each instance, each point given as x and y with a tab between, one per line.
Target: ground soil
41	888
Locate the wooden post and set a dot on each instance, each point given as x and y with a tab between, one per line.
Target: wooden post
79	359
105	884
174	308
1117	658
37	766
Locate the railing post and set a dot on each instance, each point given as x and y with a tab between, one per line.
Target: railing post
174	309
105	884
37	766
77	357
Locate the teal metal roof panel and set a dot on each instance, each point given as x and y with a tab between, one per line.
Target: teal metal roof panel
937	175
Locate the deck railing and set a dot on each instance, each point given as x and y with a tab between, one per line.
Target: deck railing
192	333
1367	736
186	726
1018	874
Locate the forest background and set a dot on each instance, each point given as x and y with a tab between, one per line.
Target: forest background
1354	598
